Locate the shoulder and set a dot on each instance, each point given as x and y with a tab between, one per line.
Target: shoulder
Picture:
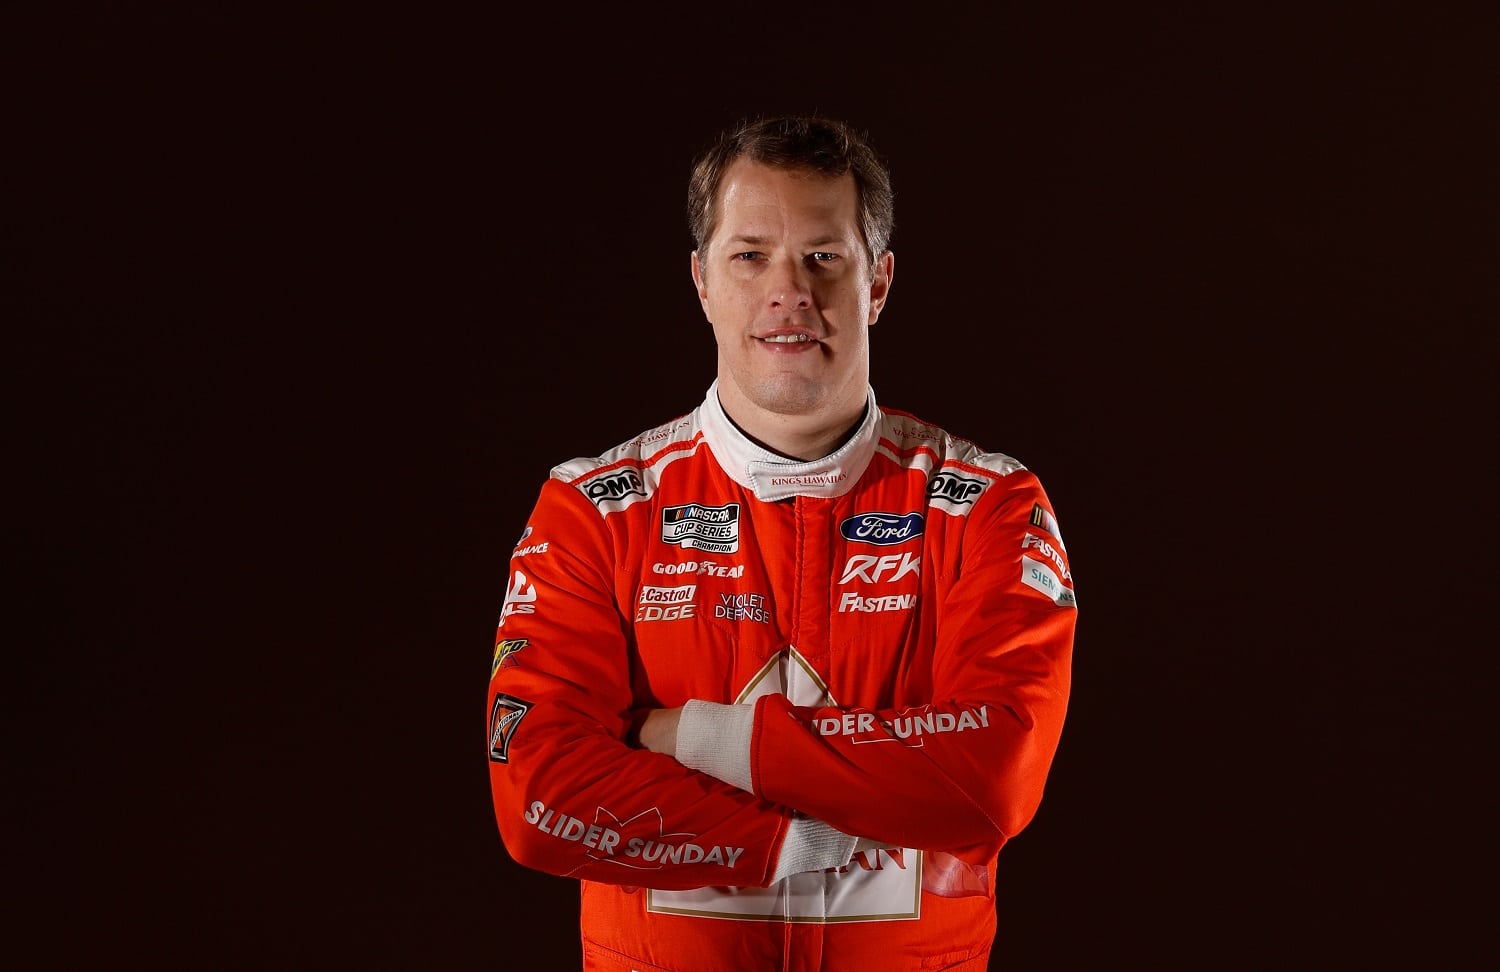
630	471
913	441
958	470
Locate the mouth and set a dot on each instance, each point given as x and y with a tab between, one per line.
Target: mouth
796	343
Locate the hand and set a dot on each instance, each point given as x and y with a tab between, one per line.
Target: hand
659	732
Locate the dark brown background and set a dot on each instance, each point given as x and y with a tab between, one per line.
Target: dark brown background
305	305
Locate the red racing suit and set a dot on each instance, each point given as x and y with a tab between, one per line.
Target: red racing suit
873	653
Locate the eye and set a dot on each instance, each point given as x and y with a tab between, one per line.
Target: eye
747	255
824	257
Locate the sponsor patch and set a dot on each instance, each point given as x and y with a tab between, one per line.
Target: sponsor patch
641	842
1033	542
850	601
815	479
661	434
1043	520
883	529
666	603
915	724
952	488
670	612
682	594
742	607
505	715
522	549
1039	576
882	884
503	651
627	482
520	598
916	432
715	529
705	567
877	570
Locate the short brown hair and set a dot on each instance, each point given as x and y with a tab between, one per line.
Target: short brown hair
796	142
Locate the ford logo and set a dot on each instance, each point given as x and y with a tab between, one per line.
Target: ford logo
883	529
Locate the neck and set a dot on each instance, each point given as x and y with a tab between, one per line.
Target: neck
793	436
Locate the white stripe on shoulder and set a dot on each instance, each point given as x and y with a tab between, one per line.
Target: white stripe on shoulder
921	445
958	471
629	472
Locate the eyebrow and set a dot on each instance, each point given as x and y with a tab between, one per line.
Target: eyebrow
763	240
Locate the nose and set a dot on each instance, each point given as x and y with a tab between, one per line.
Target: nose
789	286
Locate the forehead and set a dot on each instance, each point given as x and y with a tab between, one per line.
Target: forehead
759	199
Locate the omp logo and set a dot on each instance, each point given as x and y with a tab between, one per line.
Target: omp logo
954	488
883	529
612	487
503	651
874	570
505	715
519	599
715	529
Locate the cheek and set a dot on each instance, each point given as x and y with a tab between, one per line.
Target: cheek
729	301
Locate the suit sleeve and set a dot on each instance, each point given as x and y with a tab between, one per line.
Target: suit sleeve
571	796
964	773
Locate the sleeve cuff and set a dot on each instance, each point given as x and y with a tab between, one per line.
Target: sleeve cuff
812	845
715	739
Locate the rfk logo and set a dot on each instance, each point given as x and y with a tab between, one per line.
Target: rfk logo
873	570
519	599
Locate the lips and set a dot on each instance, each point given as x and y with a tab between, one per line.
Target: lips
789	343
788	337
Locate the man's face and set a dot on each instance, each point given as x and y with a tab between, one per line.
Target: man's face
787	284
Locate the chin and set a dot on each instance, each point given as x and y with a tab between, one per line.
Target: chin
791	396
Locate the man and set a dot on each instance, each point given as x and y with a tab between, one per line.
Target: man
777	679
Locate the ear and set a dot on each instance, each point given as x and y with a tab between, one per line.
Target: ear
699	284
880	283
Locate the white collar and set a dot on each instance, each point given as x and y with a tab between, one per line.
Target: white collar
772	477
